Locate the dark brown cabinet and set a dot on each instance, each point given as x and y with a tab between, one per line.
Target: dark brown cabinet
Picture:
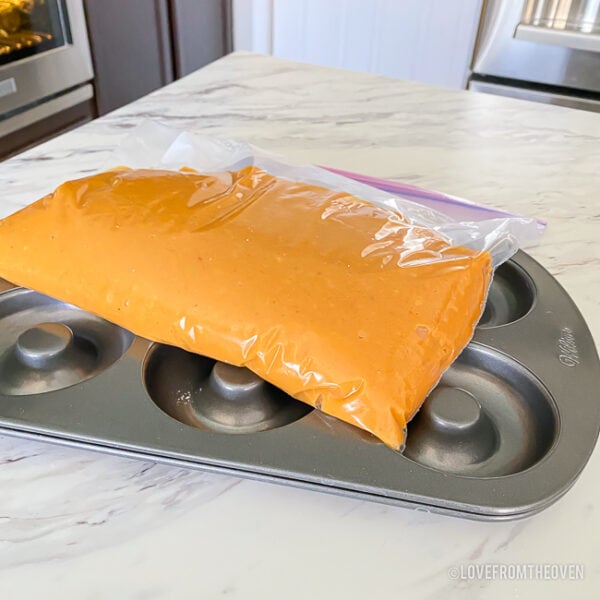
141	45
201	33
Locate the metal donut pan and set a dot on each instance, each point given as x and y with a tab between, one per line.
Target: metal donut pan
505	433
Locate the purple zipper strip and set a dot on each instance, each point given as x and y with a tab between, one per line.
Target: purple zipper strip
441	202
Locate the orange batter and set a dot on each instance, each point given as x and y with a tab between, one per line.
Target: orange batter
330	298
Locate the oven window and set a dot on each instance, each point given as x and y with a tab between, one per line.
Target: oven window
30	27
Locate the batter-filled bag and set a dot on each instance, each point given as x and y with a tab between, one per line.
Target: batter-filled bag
343	304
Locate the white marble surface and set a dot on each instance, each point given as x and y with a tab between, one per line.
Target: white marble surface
76	524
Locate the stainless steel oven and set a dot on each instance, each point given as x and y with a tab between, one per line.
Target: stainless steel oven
543	50
45	62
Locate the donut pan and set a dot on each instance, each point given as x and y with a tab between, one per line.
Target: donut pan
504	434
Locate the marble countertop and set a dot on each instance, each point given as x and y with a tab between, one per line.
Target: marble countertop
76	524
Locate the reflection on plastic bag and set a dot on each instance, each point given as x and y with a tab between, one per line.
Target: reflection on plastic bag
461	222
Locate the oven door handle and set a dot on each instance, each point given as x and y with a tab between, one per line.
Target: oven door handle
45	109
589	42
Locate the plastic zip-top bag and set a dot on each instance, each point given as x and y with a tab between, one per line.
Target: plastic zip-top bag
348	298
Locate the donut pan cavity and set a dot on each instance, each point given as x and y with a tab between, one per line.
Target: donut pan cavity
504	434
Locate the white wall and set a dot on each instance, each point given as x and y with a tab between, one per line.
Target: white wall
423	40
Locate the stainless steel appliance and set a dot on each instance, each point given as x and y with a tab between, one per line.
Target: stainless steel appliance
45	62
542	50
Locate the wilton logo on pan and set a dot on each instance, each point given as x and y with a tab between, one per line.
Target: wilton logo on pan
569	354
